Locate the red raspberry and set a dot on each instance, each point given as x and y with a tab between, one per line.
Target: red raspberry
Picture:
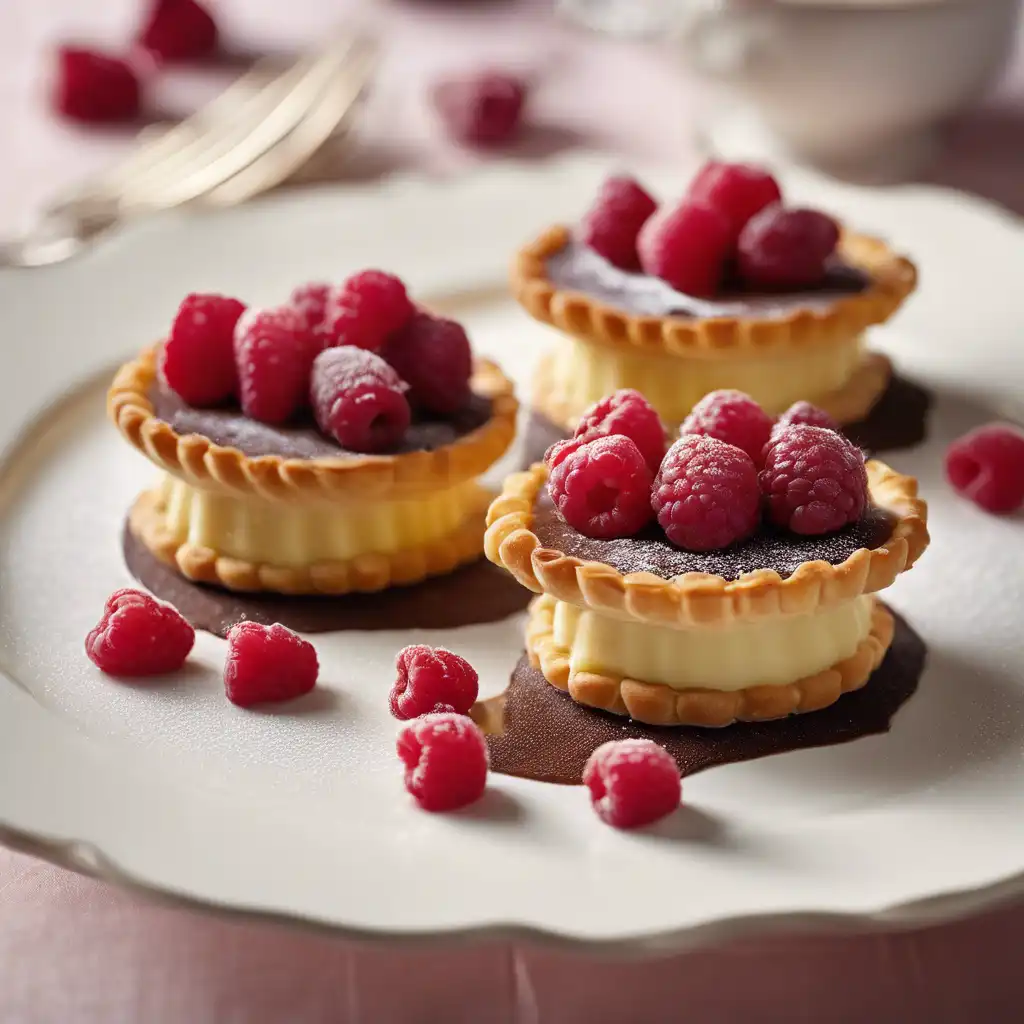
358	399
481	109
632	782
273	354
786	249
804	414
558	452
446	760
365	310
611	225
705	494
814	480
139	636
737	191
603	489
93	86
311	301
197	361
431	679
179	30
733	417
687	246
267	663
987	466
626	412
434	358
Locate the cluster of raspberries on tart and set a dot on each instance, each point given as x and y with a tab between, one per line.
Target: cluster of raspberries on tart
361	356
731	466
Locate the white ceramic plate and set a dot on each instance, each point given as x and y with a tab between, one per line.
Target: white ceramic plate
300	811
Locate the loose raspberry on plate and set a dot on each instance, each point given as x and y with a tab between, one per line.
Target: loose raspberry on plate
687	246
626	412
446	760
603	489
737	191
610	227
273	354
481	109
267	663
431	679
786	249
197	361
632	782
987	466
311	301
93	87
558	452
433	357
365	310
733	417
139	636
804	414
813	481
179	30
358	399
705	494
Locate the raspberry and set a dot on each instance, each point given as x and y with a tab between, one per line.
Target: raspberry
367	308
197	361
632	782
687	246
786	249
139	636
610	227
733	417
311	301
431	679
814	480
93	86
179	30
603	489
267	663
446	761
705	494
737	191
273	354
987	466
481	109
558	452
803	414
626	412
434	358
358	399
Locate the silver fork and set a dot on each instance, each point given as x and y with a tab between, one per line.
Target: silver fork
255	135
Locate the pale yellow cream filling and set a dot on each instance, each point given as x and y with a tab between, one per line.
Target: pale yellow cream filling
582	373
303	533
773	652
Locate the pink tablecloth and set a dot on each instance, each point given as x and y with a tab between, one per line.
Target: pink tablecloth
76	950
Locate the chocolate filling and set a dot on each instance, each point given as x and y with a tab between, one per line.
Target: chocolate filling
477	593
538	732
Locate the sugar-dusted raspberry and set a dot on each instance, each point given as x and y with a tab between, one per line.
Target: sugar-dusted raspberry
273	355
365	310
481	109
987	466
813	481
786	249
139	636
737	191
358	399
434	358
687	246
626	412
179	30
733	417
197	361
804	414
311	301
560	450
610	227
632	782
705	494
431	679
92	86
267	663
446	760
603	489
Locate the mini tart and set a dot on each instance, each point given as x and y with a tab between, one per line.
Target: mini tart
700	649
814	353
323	525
